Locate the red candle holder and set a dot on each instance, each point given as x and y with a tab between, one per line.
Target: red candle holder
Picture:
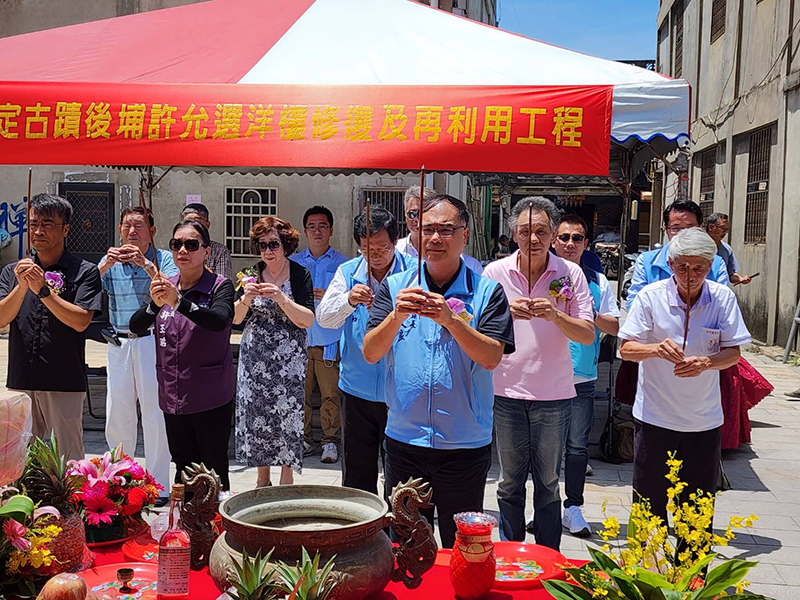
472	563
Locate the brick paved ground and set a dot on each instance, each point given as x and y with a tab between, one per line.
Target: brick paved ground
765	476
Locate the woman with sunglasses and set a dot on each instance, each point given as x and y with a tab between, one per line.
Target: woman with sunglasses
272	356
196	379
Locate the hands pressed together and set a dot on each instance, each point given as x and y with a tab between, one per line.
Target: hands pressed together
361	294
685	366
533	308
163	291
264	290
416	301
30	276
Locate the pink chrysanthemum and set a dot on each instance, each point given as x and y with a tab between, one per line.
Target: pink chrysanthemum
94	492
100	511
16	532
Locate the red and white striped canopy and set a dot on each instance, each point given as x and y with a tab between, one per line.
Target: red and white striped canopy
338	84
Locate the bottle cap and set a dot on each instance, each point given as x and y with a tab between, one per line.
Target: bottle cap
178	491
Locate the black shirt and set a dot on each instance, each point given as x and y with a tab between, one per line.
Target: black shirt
495	320
44	354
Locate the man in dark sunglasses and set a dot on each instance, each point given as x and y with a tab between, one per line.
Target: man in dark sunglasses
570	243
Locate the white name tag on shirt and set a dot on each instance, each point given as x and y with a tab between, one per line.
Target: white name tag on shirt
710	341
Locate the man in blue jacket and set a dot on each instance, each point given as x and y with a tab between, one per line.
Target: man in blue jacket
442	337
346	304
653	265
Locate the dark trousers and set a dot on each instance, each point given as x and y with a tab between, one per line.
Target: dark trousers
202	438
457	478
363	426
700	452
576	457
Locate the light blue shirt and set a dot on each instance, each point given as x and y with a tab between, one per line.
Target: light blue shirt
128	286
725	252
322	271
653	266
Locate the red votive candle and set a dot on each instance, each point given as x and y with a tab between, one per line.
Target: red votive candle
472	563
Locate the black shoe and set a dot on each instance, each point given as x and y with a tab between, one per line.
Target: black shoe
795	395
161	501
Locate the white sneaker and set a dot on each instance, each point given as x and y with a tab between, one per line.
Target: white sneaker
589	470
329	453
308	449
574	522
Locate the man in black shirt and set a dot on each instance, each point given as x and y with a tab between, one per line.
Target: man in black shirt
49	300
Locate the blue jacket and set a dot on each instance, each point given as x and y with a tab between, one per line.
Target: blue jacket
356	376
584	358
652	266
437	396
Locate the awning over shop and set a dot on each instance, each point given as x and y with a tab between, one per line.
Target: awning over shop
348	85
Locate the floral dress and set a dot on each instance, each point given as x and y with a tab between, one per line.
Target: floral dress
271	387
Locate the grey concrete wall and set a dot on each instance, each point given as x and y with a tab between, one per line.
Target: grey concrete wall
25	16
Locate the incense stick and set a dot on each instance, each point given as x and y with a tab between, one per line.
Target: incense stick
369	272
419	224
688	309
28	212
147	215
530	227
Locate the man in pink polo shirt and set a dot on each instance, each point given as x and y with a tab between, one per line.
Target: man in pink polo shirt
534	387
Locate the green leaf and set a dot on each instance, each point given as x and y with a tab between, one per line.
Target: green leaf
656	580
683	583
724	576
664	594
602	561
561	590
626	584
17	508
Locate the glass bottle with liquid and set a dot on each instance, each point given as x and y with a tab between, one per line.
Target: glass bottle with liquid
174	552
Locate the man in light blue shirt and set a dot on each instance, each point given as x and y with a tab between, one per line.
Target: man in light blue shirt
654	266
126	272
323	344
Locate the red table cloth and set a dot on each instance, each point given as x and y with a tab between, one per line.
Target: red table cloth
435	583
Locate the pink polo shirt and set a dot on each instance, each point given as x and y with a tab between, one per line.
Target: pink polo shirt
541	367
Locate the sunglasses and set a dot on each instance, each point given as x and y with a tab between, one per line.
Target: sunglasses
272	246
191	245
412	214
576	237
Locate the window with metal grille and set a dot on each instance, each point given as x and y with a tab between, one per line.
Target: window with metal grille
677	38
708	163
662	34
717	19
91	231
391	200
243	207
755	216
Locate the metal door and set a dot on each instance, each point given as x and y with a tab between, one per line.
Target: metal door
91	232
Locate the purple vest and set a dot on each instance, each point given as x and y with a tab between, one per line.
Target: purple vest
194	365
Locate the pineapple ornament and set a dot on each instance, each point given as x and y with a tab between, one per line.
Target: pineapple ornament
473	562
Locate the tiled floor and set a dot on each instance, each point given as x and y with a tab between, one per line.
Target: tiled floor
765	476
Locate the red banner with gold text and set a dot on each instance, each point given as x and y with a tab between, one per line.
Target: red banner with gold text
554	129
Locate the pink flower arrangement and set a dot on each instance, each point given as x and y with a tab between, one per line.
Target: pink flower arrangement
113	489
561	289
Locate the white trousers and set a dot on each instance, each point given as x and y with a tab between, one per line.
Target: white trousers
131	377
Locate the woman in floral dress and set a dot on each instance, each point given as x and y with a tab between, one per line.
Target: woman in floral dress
272	356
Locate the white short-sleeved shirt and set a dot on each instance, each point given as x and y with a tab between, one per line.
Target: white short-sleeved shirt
662	399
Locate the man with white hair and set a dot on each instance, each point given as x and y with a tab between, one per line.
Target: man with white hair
678	406
407	245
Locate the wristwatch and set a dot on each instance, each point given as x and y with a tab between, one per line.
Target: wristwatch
44	292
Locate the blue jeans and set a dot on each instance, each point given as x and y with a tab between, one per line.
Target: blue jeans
577	455
530	438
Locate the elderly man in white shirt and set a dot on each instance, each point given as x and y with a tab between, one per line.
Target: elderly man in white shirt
678	406
406	245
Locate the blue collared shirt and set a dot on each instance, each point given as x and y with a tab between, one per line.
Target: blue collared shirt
322	271
128	286
653	266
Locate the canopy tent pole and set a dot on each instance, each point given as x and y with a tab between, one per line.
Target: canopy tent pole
28	213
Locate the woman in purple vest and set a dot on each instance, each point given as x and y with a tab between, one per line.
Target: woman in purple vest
192	313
